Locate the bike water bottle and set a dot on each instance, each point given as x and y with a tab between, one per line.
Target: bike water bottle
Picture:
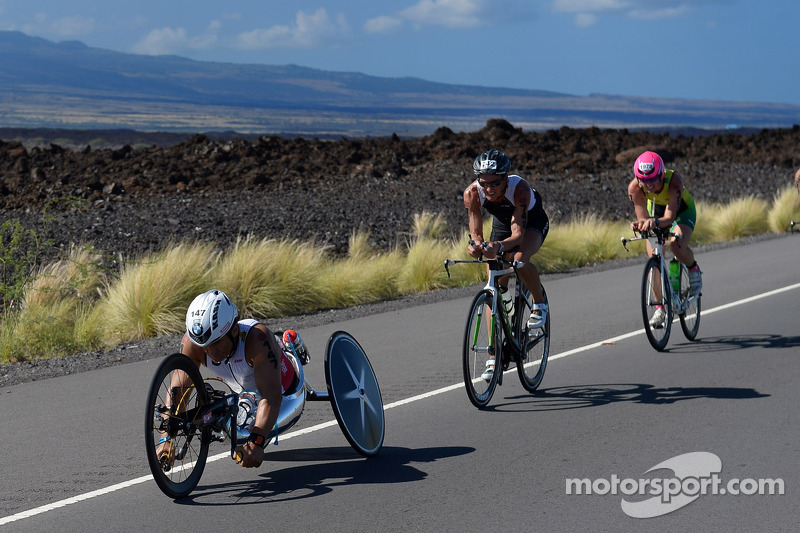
293	340
508	302
675	275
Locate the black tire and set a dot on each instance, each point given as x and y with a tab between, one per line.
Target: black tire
536	346
482	340
354	393
177	477
652	278
690	316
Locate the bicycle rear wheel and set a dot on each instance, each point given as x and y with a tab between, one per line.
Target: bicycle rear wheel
690	316
172	412
482	341
653	285
536	345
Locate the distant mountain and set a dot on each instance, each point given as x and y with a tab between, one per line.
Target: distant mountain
44	84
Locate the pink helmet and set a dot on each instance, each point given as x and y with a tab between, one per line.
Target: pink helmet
649	166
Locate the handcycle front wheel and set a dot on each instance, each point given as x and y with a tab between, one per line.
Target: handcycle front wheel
535	346
656	328
482	342
690	316
171	413
354	394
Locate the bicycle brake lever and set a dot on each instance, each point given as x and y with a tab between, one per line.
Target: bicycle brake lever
447	267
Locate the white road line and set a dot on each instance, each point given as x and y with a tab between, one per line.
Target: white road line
125	484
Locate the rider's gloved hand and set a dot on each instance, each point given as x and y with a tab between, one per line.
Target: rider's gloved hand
250	455
491	250
476	249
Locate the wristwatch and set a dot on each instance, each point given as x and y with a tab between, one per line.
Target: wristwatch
258	440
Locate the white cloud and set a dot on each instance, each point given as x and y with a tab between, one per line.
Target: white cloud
449	13
163	41
585	20
382	25
588	12
586	6
667	12
309	30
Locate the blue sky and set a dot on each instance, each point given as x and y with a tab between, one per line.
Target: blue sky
733	50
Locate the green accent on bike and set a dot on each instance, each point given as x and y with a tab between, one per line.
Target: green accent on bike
477	329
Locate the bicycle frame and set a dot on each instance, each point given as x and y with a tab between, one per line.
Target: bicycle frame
657	239
499	268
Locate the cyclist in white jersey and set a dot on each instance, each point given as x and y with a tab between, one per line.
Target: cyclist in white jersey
519	224
246	355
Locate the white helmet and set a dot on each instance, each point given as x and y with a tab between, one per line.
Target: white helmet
210	316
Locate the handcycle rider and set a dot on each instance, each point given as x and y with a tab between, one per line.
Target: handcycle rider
660	199
515	208
244	354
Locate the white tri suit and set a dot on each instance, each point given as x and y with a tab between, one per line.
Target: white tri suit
237	374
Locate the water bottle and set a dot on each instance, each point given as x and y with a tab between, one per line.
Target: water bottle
675	275
295	343
508	302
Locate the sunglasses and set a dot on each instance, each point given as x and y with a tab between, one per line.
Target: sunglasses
650	180
493	184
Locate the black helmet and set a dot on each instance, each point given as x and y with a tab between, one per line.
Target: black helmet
491	162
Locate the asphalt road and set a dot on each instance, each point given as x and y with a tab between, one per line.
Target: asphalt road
610	410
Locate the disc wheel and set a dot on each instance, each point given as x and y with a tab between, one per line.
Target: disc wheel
482	343
176	442
536	346
656	295
354	394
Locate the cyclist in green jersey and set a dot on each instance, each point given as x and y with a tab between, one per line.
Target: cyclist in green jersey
661	200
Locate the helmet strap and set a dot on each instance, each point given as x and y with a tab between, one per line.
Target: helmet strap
234	342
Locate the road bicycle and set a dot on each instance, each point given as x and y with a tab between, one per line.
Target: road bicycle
193	416
670	292
494	333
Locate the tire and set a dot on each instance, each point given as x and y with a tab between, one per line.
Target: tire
482	340
536	346
354	393
190	441
652	278
690	316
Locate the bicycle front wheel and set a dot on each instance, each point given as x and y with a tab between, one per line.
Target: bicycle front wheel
656	307
535	345
176	442
482	341
690	305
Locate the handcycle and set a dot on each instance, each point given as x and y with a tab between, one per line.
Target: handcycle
191	417
670	291
492	333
